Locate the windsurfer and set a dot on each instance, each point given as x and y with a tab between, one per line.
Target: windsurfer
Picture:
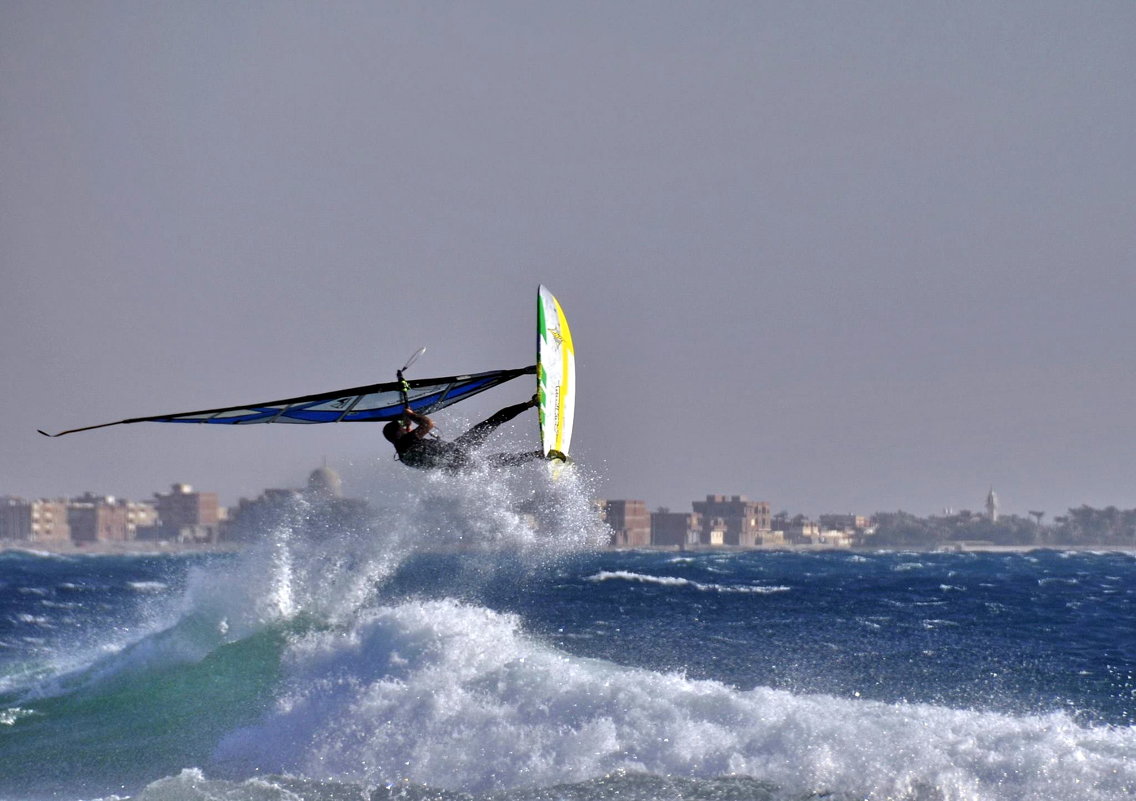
416	449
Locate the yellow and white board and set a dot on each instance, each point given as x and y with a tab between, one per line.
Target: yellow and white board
555	375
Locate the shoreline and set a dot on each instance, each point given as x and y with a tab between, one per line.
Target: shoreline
131	548
143	548
868	549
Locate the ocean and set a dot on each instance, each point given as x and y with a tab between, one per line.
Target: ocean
471	641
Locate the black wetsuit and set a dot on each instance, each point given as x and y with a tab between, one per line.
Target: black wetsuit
430	454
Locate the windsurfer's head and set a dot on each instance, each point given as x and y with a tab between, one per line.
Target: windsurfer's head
392	430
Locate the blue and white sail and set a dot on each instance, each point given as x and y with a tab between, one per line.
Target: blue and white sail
368	404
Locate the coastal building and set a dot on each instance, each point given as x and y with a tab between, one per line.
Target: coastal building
324	484
182	506
771	539
327	511
34	521
675	528
313	512
251	518
98	518
184	515
845	530
88	518
735	520
832	538
844	522
630	523
800	531
139	515
713	532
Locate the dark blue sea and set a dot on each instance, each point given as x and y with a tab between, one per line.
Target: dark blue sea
470	642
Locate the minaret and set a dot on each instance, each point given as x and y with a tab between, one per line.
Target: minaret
324	483
992	506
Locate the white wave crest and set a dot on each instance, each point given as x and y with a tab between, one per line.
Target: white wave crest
147	586
673	581
459	697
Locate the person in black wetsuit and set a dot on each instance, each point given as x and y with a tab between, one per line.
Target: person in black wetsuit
415	449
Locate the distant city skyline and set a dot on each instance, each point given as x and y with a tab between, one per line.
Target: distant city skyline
188	518
228	499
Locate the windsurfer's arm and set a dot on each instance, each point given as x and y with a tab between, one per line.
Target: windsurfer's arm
423	423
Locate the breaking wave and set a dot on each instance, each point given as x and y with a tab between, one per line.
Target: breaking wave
674	581
299	669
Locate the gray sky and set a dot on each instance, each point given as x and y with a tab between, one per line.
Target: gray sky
837	256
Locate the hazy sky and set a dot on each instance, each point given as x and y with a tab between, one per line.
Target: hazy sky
840	256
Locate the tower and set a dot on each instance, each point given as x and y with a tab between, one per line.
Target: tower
324	483
992	506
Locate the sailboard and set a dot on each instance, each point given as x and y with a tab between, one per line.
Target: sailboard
556	376
368	404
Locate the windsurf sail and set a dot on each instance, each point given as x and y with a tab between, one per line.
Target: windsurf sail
556	375
369	404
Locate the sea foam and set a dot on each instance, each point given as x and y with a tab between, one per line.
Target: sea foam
455	696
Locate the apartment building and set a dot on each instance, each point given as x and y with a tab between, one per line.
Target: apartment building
735	520
630	523
97	518
185	516
675	528
33	521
